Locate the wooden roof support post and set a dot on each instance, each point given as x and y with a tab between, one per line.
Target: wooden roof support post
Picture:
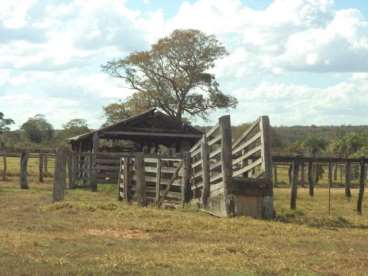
227	163
294	188
205	172
347	179
361	186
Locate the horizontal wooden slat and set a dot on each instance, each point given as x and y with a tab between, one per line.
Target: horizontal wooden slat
247	143
196	164
214	153
216	177
213	130
215	165
248	167
215	140
248	154
245	134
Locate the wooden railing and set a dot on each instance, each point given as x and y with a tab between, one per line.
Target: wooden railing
252	151
153	179
211	162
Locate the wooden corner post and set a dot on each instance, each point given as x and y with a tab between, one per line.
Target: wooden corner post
59	175
227	163
205	171
266	142
141	183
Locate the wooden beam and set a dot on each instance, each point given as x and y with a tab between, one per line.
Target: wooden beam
106	134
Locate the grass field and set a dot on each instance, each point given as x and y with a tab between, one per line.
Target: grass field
94	234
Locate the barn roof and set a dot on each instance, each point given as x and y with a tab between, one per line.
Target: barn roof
151	124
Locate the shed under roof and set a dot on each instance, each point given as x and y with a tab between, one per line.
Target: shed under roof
151	124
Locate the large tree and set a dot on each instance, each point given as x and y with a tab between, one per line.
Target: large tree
38	130
75	127
174	75
4	123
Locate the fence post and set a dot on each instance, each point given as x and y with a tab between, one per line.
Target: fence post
186	189
92	172
71	172
275	175
347	179
294	188
59	175
302	174
5	166
126	178
141	184
310	178
158	182
205	172
361	187
330	167
226	159
23	170
45	165
40	168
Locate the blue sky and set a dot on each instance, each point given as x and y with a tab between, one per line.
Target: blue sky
301	62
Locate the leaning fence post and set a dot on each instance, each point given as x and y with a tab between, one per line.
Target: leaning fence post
205	171
294	179
361	186
23	170
226	165
59	175
141	184
186	189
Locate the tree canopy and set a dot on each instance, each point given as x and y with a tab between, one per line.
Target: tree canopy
5	123
37	129
174	75
75	127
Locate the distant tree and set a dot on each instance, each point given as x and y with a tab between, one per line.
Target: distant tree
4	127
174	75
5	123
348	144
314	145
75	127
121	110
38	130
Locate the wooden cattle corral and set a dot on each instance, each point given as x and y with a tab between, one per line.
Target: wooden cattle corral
224	178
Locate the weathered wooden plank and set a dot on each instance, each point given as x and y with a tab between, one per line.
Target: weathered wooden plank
215	140
247	143
215	153
141	184
213	130
216	177
247	154
248	167
186	189
246	133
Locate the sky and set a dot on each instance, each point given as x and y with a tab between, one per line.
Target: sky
300	62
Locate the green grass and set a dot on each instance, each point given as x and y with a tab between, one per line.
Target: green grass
33	166
94	234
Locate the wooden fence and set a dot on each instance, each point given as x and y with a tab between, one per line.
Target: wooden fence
153	179
24	163
300	166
